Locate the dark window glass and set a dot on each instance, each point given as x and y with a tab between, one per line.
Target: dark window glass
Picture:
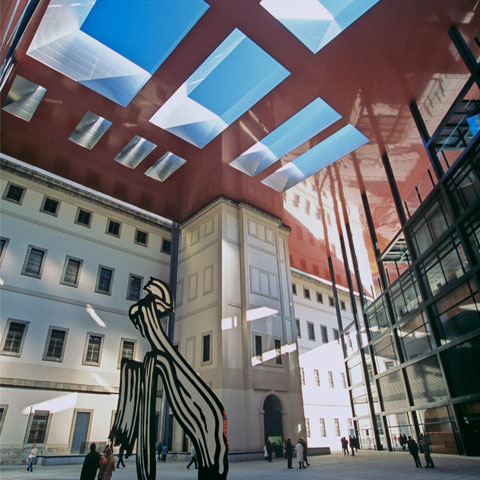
319	298
393	392
306	293
93	349
128	348
258	347
113	228
33	265
38	428
324	334
72	270
104	280
342	305
13	341
278	352
50	206
206	348
297	323
3	244
14	193
384	354
141	237
134	287
294	289
55	344
311	331
415	336
84	217
336	335
166	246
331	303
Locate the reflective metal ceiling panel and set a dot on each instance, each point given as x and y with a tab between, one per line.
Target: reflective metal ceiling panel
136	150
165	166
23	98
89	130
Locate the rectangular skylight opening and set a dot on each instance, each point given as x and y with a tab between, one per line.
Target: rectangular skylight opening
89	130
298	129
333	148
165	166
317	22
236	75
23	98
136	150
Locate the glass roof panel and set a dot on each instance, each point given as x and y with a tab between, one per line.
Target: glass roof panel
111	69
236	75
341	143
145	32
299	128
165	166
23	98
135	151
89	130
317	22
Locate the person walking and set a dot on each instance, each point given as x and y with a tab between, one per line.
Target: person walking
425	444
305	459
32	455
107	465
351	442
90	464
413	449
121	452
299	451
344	442
193	458
159	451
268	445
164	453
289	451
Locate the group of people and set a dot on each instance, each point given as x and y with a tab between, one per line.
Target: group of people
423	446
105	463
353	442
162	450
300	449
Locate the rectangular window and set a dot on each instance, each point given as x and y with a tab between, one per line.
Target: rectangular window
306	293
258	347
316	375
113	228
83	217
14	193
299	332
278	352
3	247
104	280
331	302
294	289
93	350
34	262
166	246
319	298
311	331
336	335
336	421
342	305
323	430
3	413
38	427
330	379
127	350
324	333
302	375
14	337
141	237
206	356
50	206
55	345
344	380
134	287
71	271
307	427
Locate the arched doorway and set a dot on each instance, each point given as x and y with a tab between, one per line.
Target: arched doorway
272	420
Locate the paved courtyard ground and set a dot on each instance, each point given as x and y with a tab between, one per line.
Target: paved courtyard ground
365	465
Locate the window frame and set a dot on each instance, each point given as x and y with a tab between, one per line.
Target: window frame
4	249
122	340
42	264
258	356
85	350
308	431
331	381
109	221
79	210
44	201
7	189
210	349
62	280
311	332
324	333
306	293
278	351
298	328
168	250
135	238
22	341
319	297
47	344
316	376
331	301
97	290
323	427
4	407
336	422
294	289
343	305
130	277
303	380
30	424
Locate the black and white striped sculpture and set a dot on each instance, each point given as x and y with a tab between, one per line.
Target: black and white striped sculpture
194	405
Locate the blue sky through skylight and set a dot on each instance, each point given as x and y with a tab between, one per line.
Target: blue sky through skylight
299	128
236	75
317	22
341	143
